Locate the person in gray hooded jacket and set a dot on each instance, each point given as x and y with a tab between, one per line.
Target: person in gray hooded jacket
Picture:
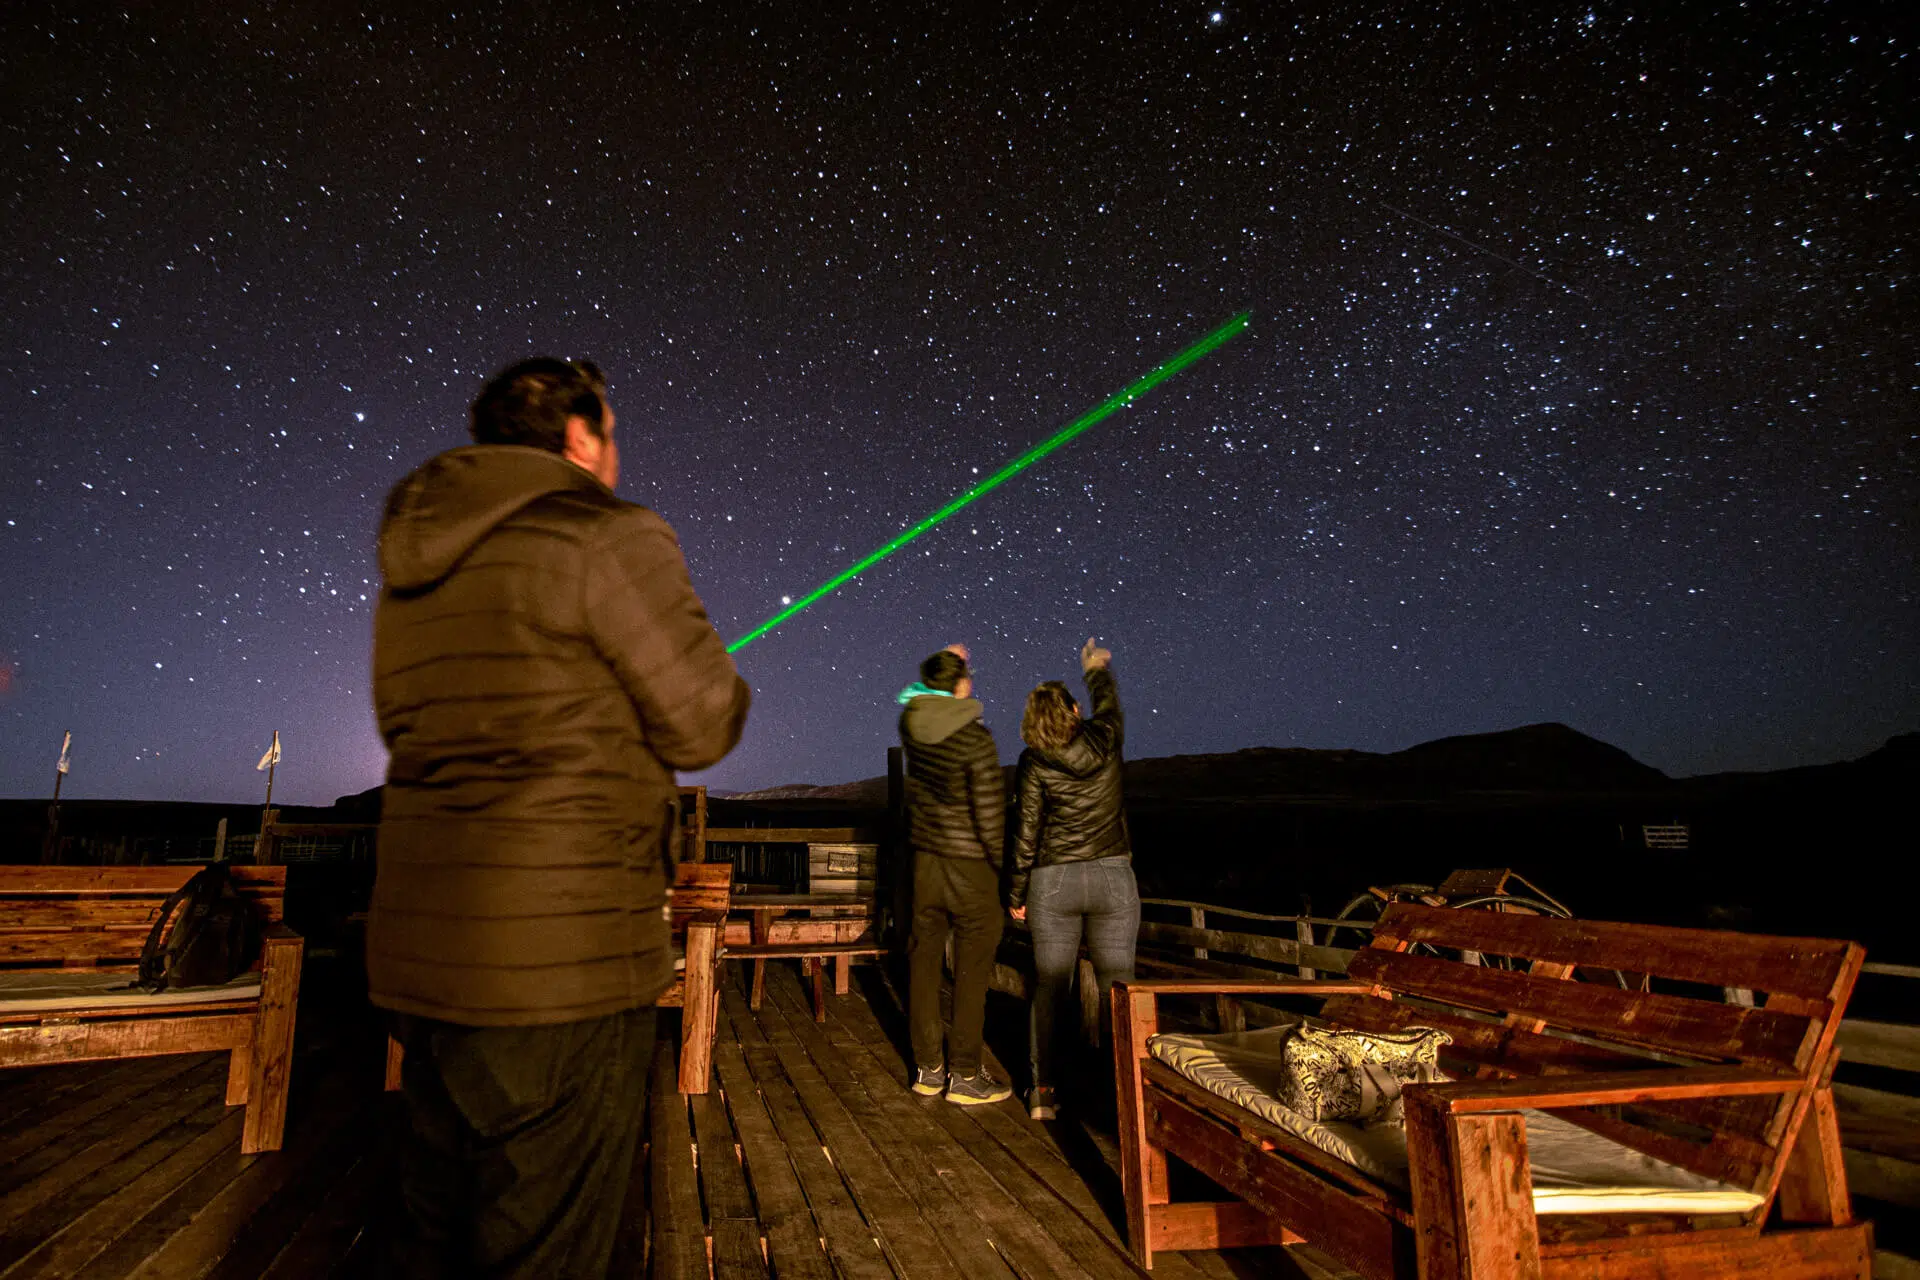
956	807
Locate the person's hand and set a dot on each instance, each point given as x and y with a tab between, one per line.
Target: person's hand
1092	655
960	649
1018	913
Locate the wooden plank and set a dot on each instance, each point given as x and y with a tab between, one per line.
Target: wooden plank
1870	1120
1025	1142
1805	967
700	1002
1611	1088
81	1041
142	1238
791	835
1489	1157
27	1231
329	1232
89	1233
910	1244
1880	1044
736	1250
883	1070
957	1177
227	1216
721	1177
1278	985
1820	1254
161	880
1438	1232
1813	1186
31	1182
269	1058
679	1233
1885	1178
849	1122
1483	1043
1671	1023
847	929
1348	1227
51	1114
1215	1224
792	1234
44	913
304	1186
321	830
1143	1164
799	950
25	1091
1205	942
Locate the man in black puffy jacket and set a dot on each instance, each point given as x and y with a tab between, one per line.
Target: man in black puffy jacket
956	807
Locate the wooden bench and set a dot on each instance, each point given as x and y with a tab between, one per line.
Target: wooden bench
701	891
1738	1094
81	929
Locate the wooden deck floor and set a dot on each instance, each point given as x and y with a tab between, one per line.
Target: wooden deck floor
810	1160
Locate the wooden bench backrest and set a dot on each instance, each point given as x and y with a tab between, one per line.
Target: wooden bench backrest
700	886
52	917
1564	1010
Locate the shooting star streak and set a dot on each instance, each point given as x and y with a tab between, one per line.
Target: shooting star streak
1118	400
1480	248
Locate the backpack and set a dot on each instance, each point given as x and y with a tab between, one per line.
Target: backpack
214	939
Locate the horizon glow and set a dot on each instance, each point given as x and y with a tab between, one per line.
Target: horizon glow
1120	399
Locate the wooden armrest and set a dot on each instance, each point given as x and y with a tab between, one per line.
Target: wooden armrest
1247	986
278	934
1600	1088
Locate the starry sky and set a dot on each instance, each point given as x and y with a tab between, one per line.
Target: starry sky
1580	384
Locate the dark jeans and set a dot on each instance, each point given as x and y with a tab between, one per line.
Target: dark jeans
1062	900
520	1143
961	896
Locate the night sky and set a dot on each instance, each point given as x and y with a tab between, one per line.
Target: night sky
1581	381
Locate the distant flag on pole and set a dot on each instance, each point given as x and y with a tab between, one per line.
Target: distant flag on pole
272	757
66	748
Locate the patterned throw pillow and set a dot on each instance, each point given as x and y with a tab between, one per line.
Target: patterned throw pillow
1336	1074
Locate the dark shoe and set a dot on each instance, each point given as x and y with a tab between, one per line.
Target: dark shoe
1041	1104
977	1089
930	1082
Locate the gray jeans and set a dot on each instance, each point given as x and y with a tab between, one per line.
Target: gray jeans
1098	898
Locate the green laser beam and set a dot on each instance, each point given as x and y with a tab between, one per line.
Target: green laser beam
1118	400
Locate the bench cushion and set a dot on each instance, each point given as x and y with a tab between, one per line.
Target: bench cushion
86	990
1574	1170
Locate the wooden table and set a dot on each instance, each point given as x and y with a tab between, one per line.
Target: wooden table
764	907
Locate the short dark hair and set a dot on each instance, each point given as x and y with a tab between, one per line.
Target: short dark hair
943	671
529	403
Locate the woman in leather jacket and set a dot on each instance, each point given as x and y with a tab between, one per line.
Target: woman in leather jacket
1072	865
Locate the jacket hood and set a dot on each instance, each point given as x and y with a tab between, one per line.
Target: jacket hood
1079	758
443	509
934	718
